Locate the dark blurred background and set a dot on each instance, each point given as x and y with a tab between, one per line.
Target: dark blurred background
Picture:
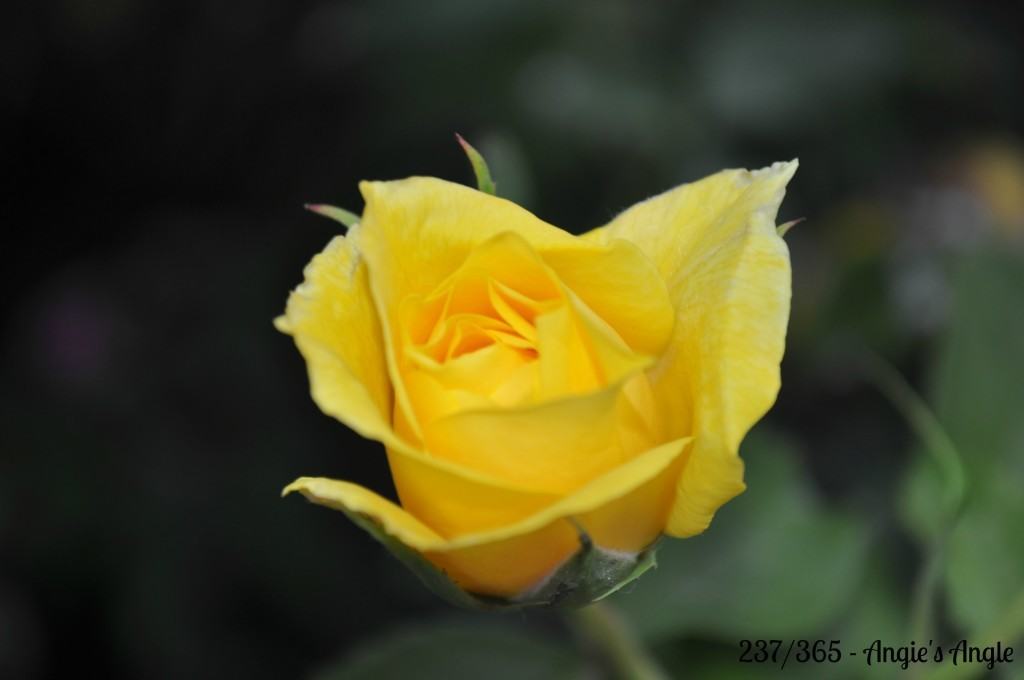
155	158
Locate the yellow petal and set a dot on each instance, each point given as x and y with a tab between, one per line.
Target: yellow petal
600	492
482	372
346	496
335	326
332	319
728	274
553	447
634	521
623	509
418	231
457	504
580	353
572	435
512	558
621	285
512	565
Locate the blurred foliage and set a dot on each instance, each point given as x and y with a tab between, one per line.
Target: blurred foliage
442	650
156	157
979	396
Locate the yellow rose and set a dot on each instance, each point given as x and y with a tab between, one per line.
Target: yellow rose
538	391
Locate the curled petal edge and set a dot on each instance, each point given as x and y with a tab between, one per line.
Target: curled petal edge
579	577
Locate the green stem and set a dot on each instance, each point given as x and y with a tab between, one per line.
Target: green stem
600	623
928	429
944	452
926	591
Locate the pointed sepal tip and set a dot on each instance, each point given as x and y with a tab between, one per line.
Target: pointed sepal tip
349	219
483	174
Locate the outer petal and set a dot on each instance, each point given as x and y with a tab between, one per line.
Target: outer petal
455	504
509	560
341	495
335	326
715	243
554	447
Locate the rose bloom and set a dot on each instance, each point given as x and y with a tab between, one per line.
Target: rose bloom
538	391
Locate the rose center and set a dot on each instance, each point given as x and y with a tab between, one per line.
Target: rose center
504	331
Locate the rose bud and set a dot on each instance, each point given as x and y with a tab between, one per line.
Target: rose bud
550	404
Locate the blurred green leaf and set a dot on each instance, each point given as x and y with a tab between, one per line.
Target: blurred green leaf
877	612
880	611
698	659
859	307
447	651
979	398
766	550
921	496
946	484
985	567
979	379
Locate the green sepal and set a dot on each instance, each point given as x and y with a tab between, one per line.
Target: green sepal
591	574
645	561
784	228
349	219
483	174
